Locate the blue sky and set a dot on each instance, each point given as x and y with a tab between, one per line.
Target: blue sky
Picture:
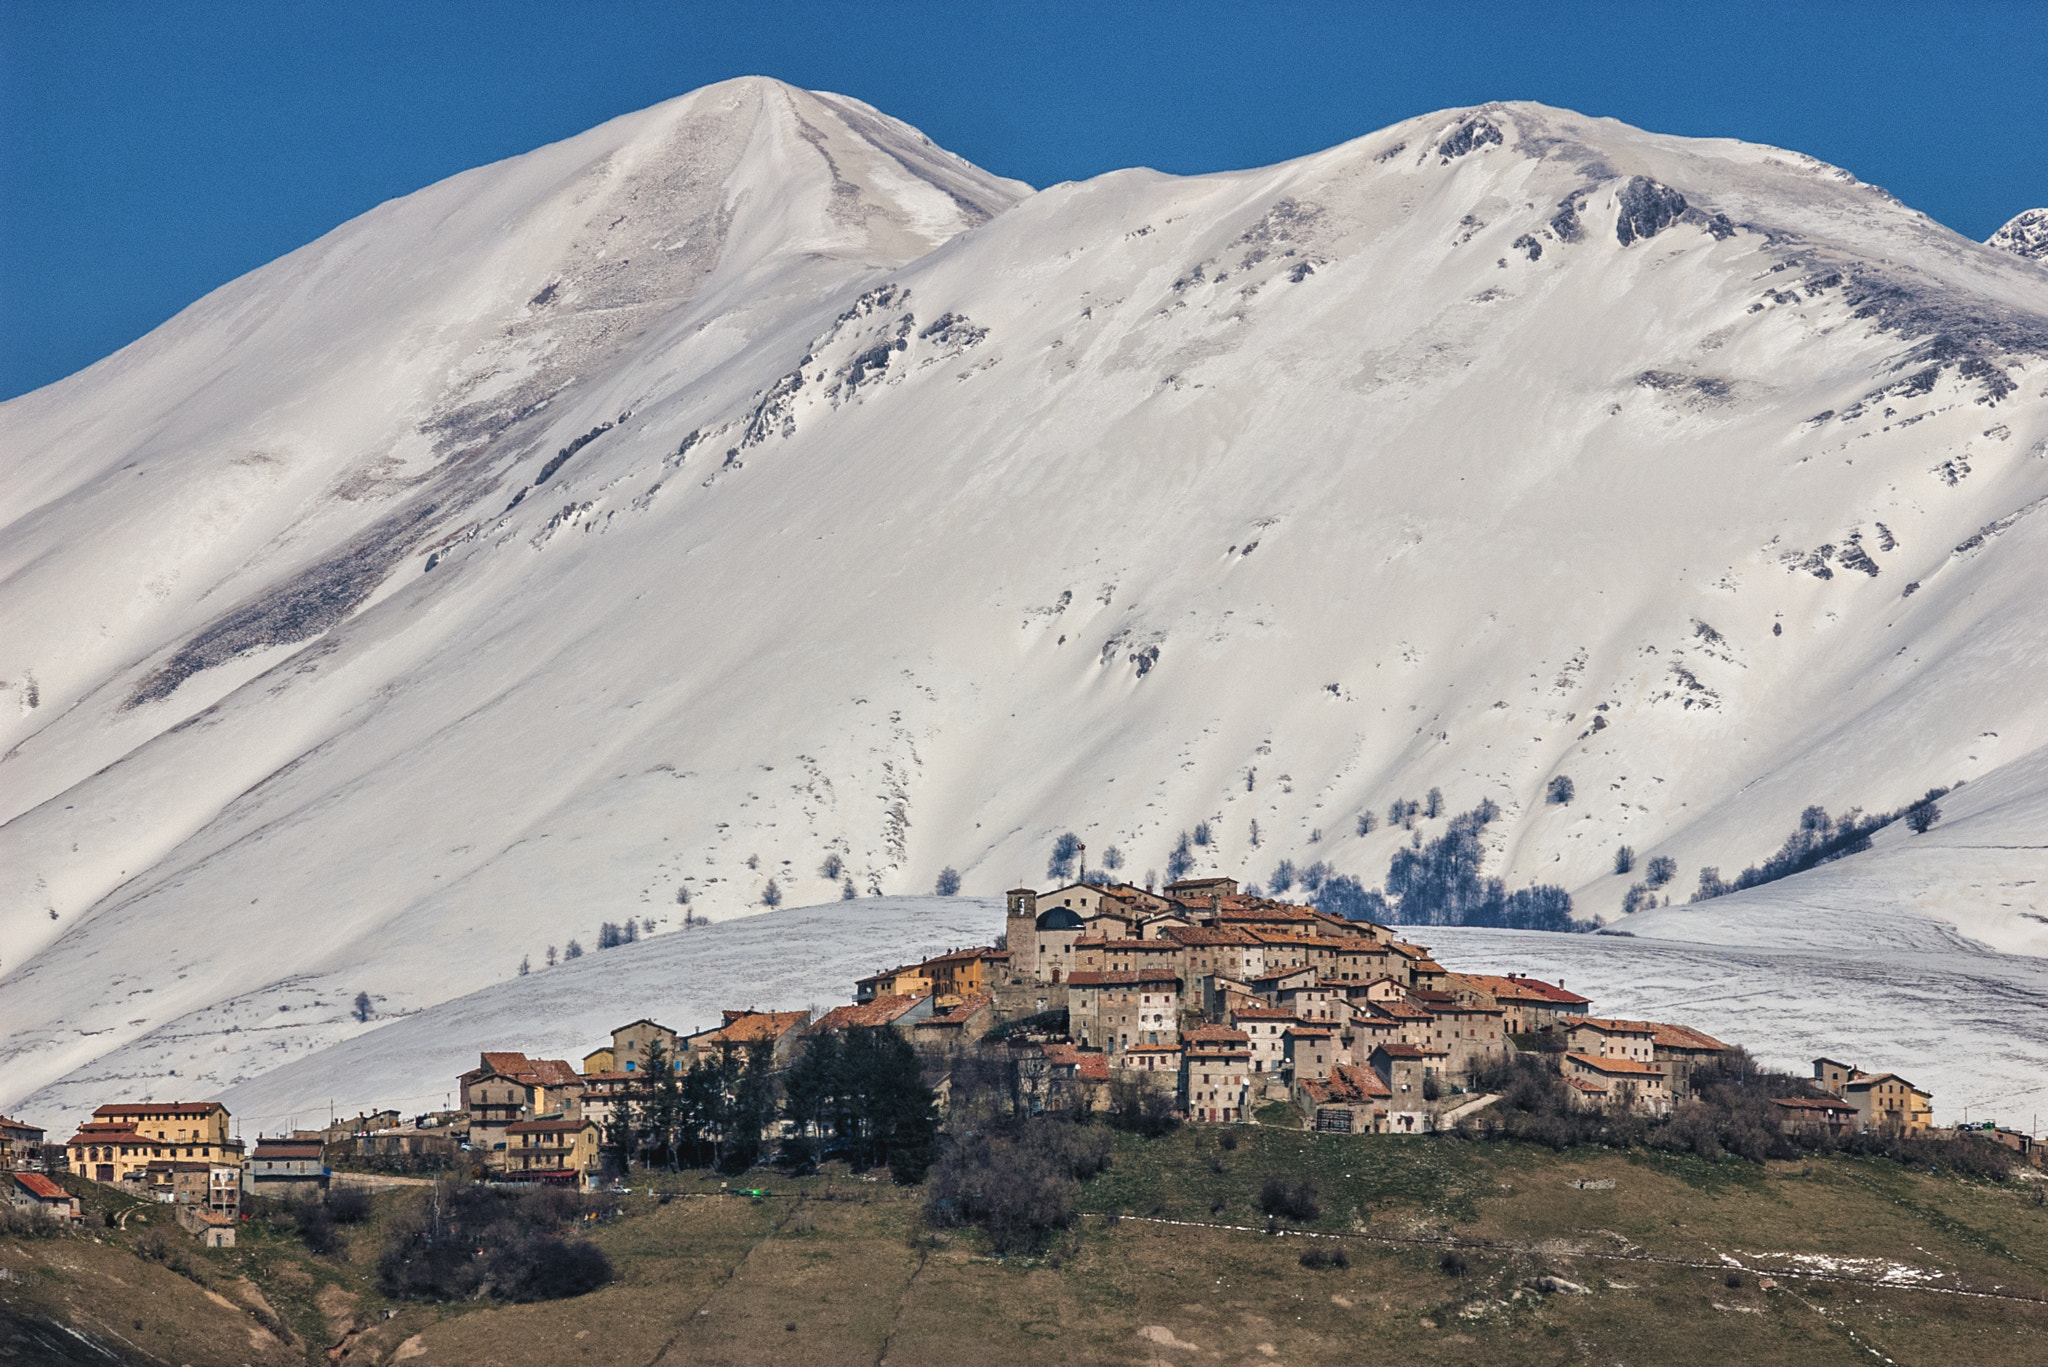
151	152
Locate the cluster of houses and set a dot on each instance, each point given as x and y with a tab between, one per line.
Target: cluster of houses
1225	1003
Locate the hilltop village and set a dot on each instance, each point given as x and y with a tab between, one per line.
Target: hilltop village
1197	1002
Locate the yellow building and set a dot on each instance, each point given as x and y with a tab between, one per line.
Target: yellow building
1886	1101
127	1137
964	973
551	1150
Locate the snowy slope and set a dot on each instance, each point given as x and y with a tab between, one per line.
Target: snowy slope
933	521
683	981
1973	1026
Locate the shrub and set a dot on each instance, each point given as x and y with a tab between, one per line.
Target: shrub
847	891
1292	1201
1319	1258
1560	792
1016	1180
362	1006
315	1225
1452	1263
948	884
771	896
1140	1108
468	1241
1923	814
572	950
1661	870
349	1205
833	867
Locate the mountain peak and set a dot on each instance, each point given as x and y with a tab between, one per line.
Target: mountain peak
2024	235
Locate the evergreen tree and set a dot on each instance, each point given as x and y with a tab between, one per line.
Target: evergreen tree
362	1011
948	884
1433	805
664	1105
621	1138
1625	859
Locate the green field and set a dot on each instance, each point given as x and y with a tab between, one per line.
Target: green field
1173	1263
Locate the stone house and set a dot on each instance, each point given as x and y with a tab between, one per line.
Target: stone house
1682	1051
1410	1072
1227	952
36	1194
1530	1004
629	1046
21	1146
1808	1115
900	1012
1311	1052
1215	1081
742	1029
1471	1032
1110	1010
1351	1100
1159	1063
1637	1084
1265	1028
286	1168
1605	1038
954	1029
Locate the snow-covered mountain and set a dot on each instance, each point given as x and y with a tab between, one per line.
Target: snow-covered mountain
749	482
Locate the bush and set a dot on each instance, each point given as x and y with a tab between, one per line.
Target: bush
1452	1263
1560	792
1661	870
1922	816
1291	1201
315	1225
1319	1258
467	1241
1016	1180
543	1267
1140	1108
348	1205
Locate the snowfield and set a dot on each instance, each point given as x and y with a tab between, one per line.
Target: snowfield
1973	1025
749	482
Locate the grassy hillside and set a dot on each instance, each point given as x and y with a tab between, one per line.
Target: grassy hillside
1174	1264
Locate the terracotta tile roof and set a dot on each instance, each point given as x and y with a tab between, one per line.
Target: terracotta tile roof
883	1010
744	1027
42	1187
1279	973
1526	989
957	1016
1309	1031
1610	1026
1425	964
887	973
9	1124
104	1133
1587	1085
554	1072
511	1065
1685	1037
1624	1066
1211	935
547	1126
287	1148
1869	1080
1407	1011
1217	1035
1394	1050
1347	1083
1094	1067
155	1108
961	956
